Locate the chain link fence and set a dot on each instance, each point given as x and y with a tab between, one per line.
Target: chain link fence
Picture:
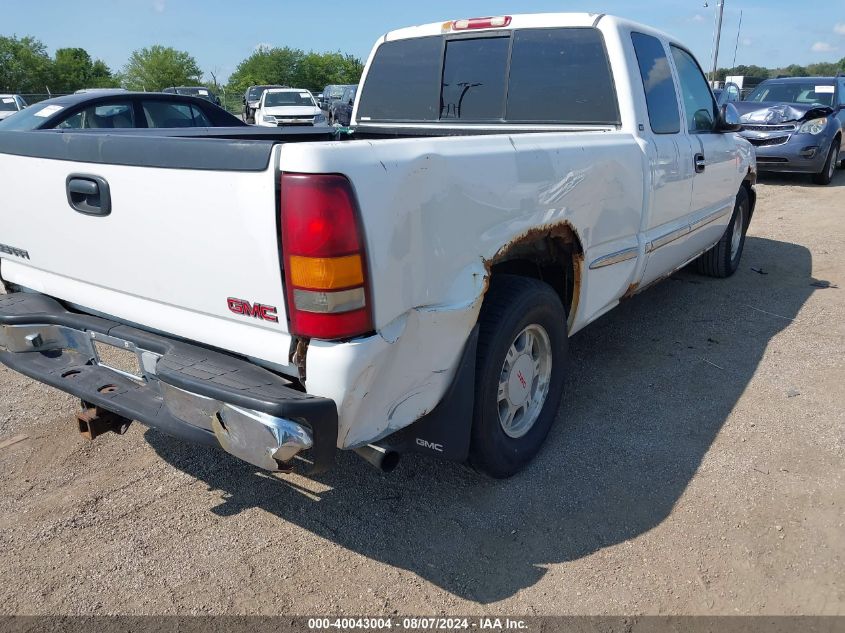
31	97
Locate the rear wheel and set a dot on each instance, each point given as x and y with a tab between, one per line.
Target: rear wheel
826	174
723	259
519	374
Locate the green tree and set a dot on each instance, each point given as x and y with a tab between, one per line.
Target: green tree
25	65
73	69
293	67
102	76
159	67
793	70
266	66
823	69
318	70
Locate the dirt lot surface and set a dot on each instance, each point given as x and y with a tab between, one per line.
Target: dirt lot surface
696	467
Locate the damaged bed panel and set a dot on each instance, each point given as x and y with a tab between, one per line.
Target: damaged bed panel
437	208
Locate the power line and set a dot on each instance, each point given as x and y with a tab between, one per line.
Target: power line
738	30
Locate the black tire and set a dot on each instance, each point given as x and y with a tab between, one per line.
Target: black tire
719	261
512	304
825	176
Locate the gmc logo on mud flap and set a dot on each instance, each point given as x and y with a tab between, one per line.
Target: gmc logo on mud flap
255	310
11	250
430	445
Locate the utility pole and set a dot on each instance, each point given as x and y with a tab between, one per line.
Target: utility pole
720	10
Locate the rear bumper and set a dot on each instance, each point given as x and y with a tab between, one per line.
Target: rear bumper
182	389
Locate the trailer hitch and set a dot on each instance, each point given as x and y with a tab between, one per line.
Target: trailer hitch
94	421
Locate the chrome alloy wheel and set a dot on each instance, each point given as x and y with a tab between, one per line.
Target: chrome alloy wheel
736	236
524	381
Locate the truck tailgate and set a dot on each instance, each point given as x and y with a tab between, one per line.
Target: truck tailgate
178	244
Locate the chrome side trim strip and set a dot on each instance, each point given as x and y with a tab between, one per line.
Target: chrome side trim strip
630	253
712	217
665	239
615	258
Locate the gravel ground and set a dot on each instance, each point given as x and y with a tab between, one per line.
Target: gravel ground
696	468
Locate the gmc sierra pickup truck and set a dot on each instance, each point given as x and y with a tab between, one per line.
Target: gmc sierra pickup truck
407	285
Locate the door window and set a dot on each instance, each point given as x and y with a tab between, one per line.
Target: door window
119	114
656	74
698	100
169	114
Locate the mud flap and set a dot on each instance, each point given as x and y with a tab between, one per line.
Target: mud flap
445	431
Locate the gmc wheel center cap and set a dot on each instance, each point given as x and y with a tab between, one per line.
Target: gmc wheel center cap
520	380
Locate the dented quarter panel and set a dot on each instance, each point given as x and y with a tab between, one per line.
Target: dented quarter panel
384	382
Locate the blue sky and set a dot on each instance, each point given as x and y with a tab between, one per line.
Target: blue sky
220	34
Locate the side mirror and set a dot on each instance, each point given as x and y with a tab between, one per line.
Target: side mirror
728	119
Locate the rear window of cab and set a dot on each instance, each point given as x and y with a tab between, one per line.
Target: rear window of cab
553	75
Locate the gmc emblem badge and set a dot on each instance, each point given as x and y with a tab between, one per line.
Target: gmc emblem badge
254	310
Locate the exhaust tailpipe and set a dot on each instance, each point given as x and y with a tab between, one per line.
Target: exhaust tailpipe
382	458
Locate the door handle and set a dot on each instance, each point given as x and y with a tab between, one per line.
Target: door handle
89	195
699	163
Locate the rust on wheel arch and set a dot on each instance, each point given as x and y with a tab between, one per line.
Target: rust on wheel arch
549	244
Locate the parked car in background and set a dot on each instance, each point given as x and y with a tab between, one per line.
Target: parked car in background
121	110
251	98
341	110
194	91
288	106
728	94
331	94
10	104
796	124
408	287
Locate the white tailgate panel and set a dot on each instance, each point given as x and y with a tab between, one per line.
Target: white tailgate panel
176	245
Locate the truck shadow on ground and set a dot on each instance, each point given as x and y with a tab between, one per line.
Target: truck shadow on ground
650	385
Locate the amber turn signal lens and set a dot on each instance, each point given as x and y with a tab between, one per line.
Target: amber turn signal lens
326	273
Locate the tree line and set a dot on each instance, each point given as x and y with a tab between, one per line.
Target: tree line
821	69
27	68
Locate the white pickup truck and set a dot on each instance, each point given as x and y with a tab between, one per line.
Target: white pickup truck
408	285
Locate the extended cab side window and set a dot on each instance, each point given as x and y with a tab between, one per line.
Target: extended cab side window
660	96
698	100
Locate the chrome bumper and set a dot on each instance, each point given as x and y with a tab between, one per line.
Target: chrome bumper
180	388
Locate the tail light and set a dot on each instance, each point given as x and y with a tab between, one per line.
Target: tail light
480	23
325	263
